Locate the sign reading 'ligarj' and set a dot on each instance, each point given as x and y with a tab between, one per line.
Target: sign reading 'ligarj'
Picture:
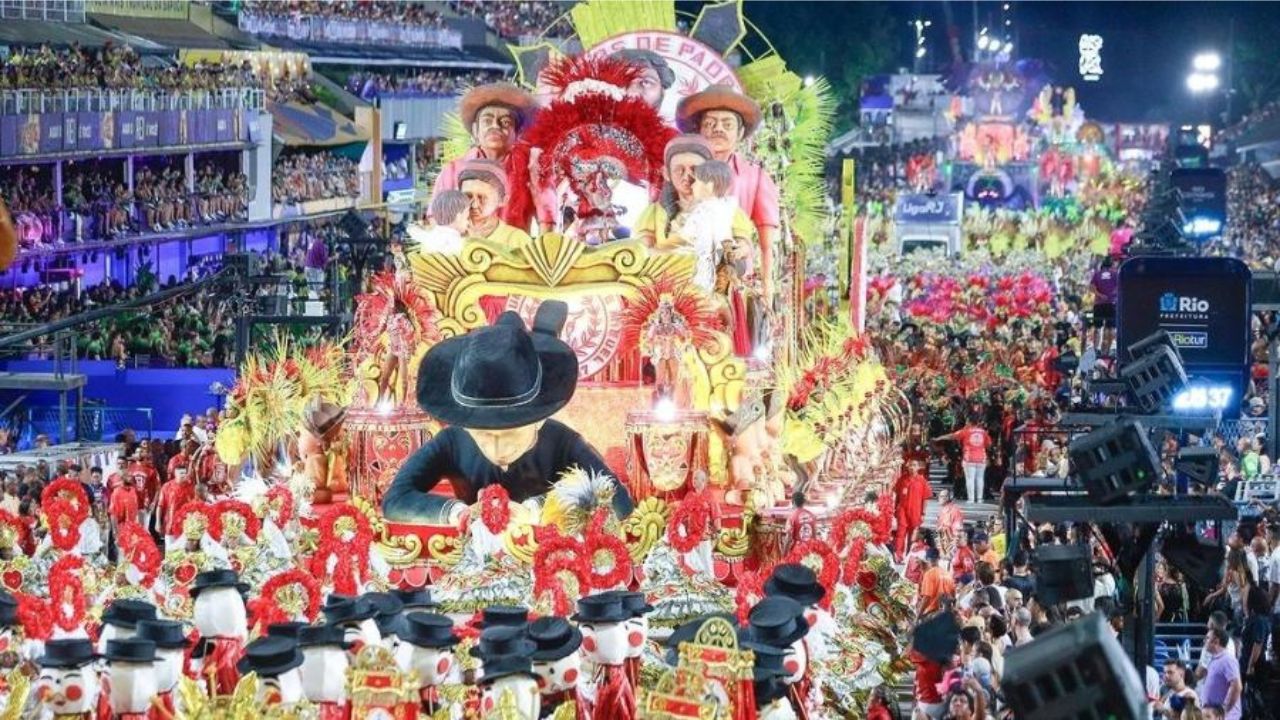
1203	303
922	208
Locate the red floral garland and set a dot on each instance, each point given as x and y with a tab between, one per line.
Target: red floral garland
558	554
829	570
284	495
687	525
180	517
266	607
853	560
63	487
15	523
750	591
34	616
65	576
63	520
251	522
875	523
138	547
352	556
495	508
599	540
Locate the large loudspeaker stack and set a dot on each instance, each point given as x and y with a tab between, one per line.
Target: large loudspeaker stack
1063	573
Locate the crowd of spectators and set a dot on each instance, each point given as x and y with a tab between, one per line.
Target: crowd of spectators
302	176
883	170
512	19
1250	121
416	14
428	83
112	67
1253	212
412	24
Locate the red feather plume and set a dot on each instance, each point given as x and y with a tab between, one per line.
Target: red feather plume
703	322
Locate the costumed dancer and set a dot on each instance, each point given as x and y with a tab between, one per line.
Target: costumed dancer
221	627
275	660
496	387
557	664
131	678
508	686
912	492
171	645
320	444
324	670
603	622
426	650
68	686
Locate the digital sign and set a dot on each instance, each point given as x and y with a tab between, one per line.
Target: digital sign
1203	303
1204	200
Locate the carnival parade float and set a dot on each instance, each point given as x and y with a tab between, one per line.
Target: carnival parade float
594	462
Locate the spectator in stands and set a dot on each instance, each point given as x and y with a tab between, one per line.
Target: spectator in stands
303	176
429	83
512	20
1222	684
264	17
112	67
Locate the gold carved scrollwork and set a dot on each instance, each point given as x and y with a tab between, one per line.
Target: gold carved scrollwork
733	543
397	550
444	550
645	526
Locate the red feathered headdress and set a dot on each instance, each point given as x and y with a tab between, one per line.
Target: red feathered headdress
701	320
203	510
592	118
137	546
284	597
234	507
67	489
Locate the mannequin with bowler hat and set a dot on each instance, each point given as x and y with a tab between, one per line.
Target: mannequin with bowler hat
771	686
603	622
355	615
778	621
221	621
68	686
496	387
276	662
557	664
426	649
800	583
324	670
131	677
507	680
121	618
637	626
171	645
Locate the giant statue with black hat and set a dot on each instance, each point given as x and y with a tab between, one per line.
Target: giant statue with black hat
171	645
497	388
133	680
426	650
508	687
779	621
222	627
602	618
69	686
557	664
324	670
276	662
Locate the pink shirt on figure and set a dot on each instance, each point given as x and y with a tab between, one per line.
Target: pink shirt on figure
756	193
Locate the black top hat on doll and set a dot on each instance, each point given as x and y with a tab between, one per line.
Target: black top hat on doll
130	650
417	599
127	613
601	608
67	653
210	579
388	609
270	656
502	616
795	581
166	634
633	602
554	637
8	610
498	641
500	666
427	630
322	636
501	376
288	629
346	609
777	621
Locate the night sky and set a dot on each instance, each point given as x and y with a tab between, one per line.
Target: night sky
1146	55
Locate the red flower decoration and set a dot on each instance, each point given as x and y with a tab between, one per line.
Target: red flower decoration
66	592
352	556
192	506
266	607
68	490
829	564
556	555
750	590
281	495
185	573
63	519
600	541
236	507
688	523
34	616
139	549
495	508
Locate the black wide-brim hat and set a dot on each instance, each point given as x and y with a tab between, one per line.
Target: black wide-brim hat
601	608
132	650
501	376
67	653
554	637
427	630
795	581
322	636
166	634
502	615
270	656
502	641
415	599
210	579
346	609
777	620
127	613
633	602
287	629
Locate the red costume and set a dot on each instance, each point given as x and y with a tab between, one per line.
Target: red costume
123	506
162	707
334	710
912	493
219	664
173	495
615	698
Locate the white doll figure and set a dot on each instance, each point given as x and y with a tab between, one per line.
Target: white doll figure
603	622
507	682
426	649
557	663
222	627
709	223
637	631
171	644
388	611
800	583
779	621
276	662
355	617
120	620
131	668
68	685
324	670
